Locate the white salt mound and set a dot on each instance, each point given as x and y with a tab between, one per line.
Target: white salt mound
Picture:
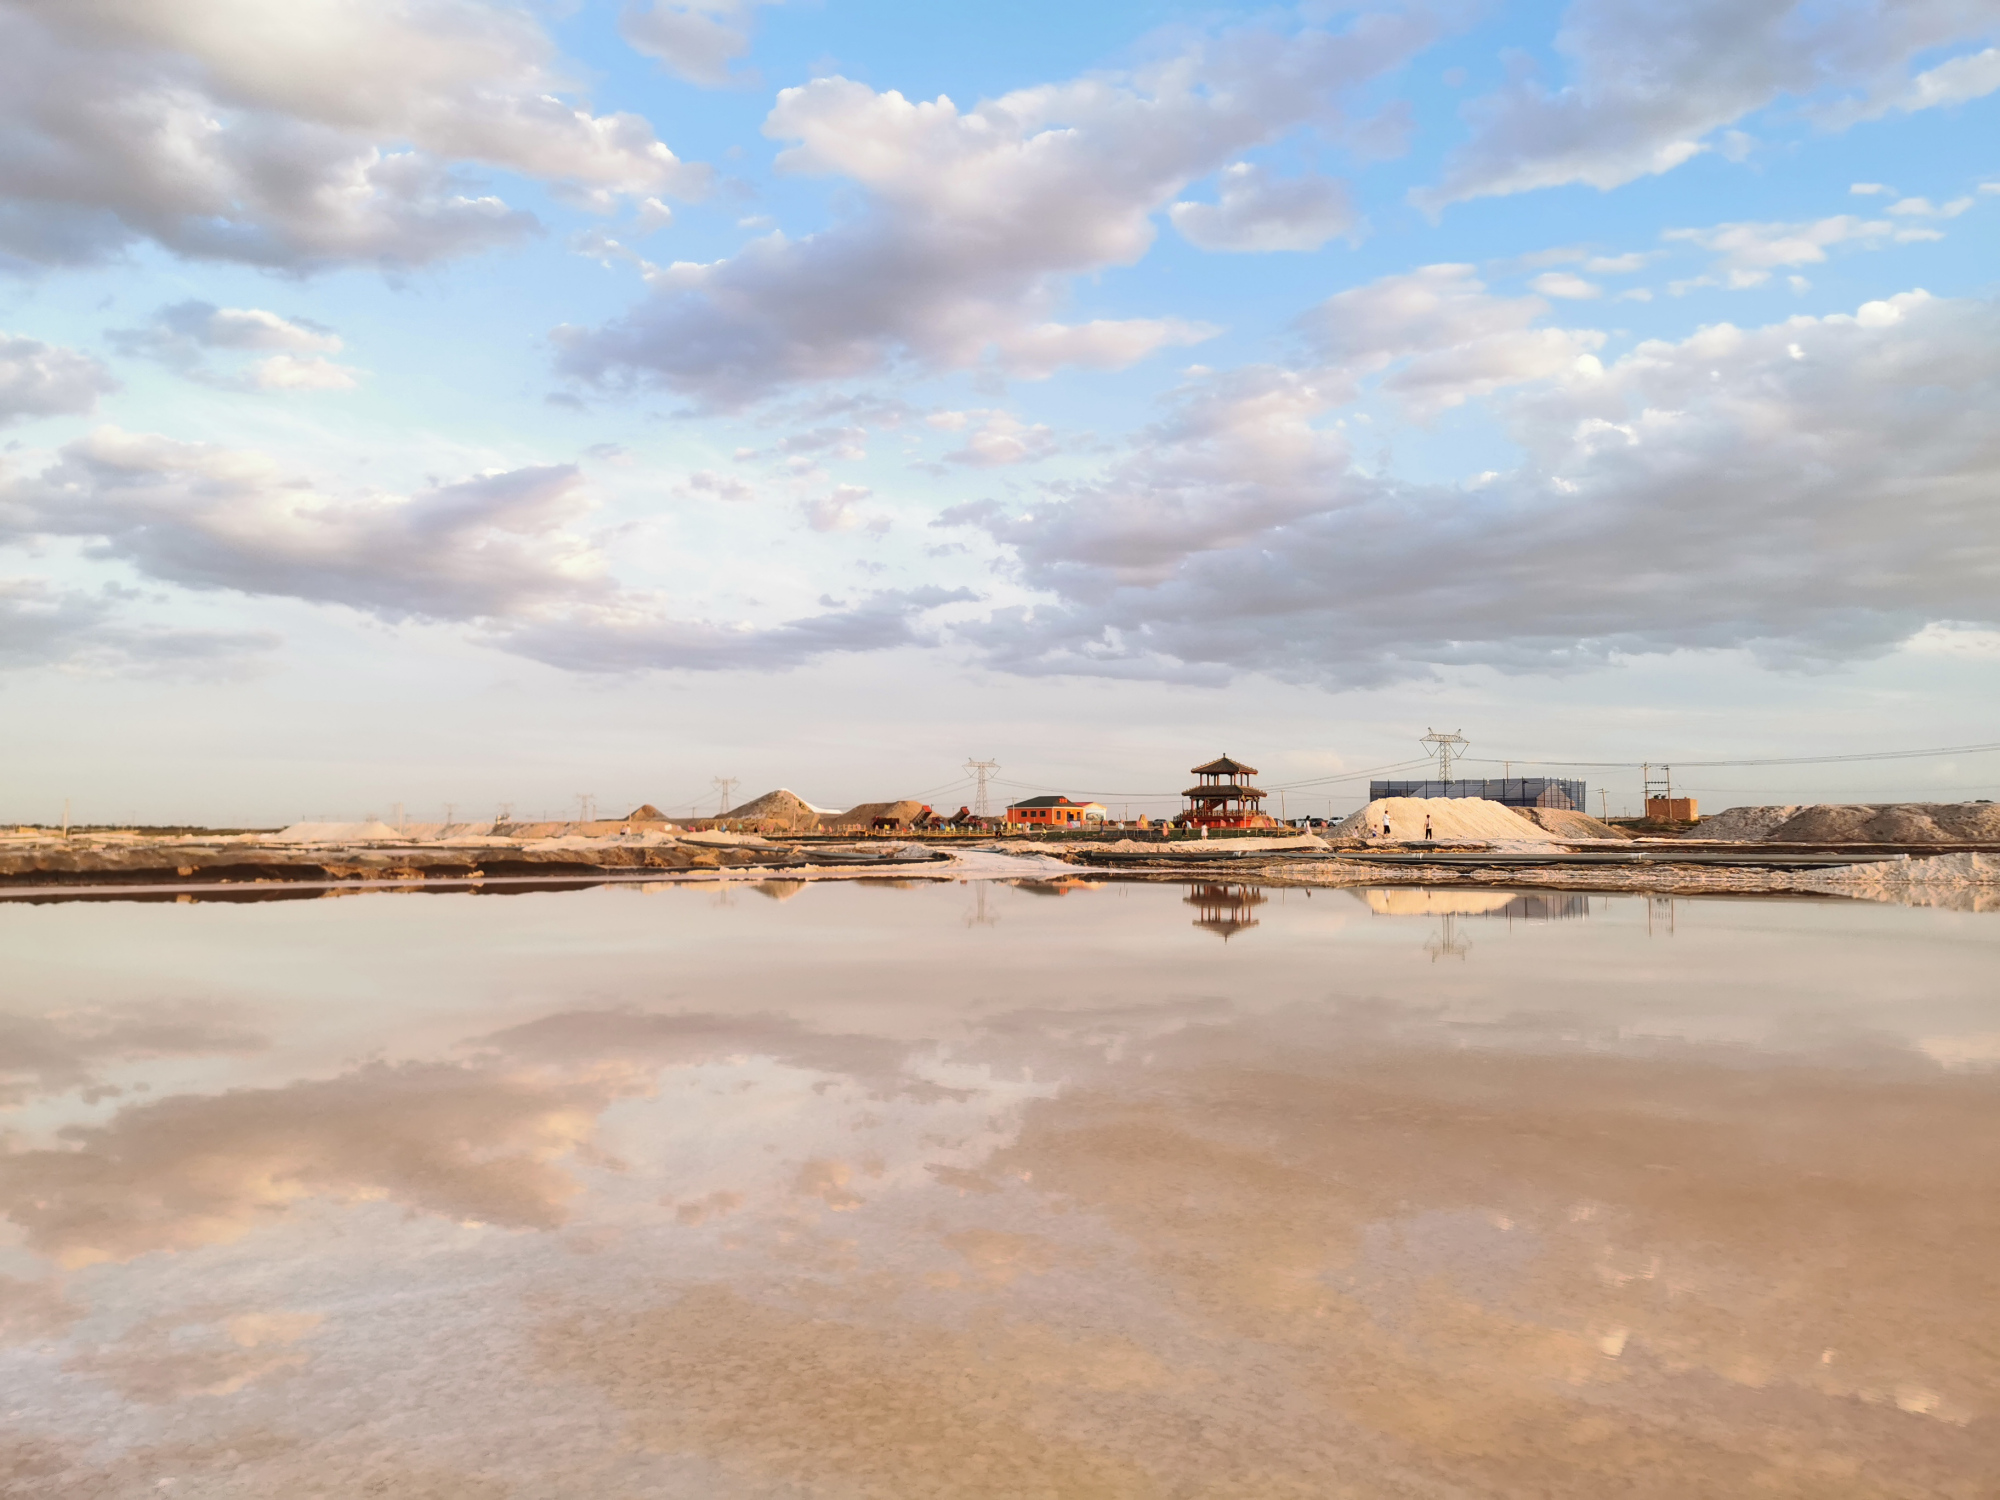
1744	824
334	833
1451	818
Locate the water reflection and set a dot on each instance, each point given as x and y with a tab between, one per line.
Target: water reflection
1224	909
624	1193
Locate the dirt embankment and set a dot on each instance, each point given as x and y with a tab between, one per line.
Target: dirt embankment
153	863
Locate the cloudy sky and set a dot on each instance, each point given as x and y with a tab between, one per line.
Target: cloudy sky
446	402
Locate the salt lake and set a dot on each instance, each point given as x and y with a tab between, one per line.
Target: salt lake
998	1188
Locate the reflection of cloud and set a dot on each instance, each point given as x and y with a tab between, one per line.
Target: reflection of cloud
653	1040
458	1141
168	1359
32	1310
53	1054
1466	1253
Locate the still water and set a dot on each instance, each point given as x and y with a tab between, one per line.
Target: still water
948	1189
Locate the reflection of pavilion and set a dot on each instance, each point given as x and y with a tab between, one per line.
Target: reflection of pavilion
1224	908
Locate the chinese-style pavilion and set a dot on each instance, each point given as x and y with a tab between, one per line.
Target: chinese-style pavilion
1224	798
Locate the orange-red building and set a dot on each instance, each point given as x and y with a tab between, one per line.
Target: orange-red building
1055	812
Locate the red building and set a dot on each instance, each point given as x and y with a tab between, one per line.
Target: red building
1055	812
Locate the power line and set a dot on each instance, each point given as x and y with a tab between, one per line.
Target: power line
1788	760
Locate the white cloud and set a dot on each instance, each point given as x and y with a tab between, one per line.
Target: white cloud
975	220
637	634
1001	439
218	518
1953	82
181	335
1923	208
1567	285
698	39
1446	337
500	551
1812	491
42	625
1650	84
837	511
1749	252
1255	212
1617	265
1871	190
47	380
719	486
287	372
319	133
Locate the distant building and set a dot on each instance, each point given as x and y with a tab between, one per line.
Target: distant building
1055	812
1671	809
1508	791
1224	798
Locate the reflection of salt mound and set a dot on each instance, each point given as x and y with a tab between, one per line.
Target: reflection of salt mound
1949	870
1450	818
373	831
1432	903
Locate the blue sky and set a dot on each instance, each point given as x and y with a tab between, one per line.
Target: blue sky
448	402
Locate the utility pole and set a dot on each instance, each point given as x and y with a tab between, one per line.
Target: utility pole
65	817
1444	747
586	807
724	785
450	808
981	769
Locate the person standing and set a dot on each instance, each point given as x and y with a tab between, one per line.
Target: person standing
1427	828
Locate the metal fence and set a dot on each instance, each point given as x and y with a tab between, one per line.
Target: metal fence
1510	791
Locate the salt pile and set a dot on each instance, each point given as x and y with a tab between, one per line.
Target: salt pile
1858	823
1451	818
1744	824
373	831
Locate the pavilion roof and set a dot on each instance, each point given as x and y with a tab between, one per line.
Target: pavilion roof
1224	766
1224	791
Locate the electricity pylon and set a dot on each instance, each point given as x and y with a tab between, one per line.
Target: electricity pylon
1444	747
981	769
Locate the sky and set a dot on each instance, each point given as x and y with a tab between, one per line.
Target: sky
443	404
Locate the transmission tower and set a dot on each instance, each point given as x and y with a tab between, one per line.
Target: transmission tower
1444	747
724	785
982	769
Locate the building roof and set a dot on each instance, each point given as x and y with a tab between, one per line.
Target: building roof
1224	791
1050	802
1224	766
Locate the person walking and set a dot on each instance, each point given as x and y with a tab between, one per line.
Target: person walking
1427	828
